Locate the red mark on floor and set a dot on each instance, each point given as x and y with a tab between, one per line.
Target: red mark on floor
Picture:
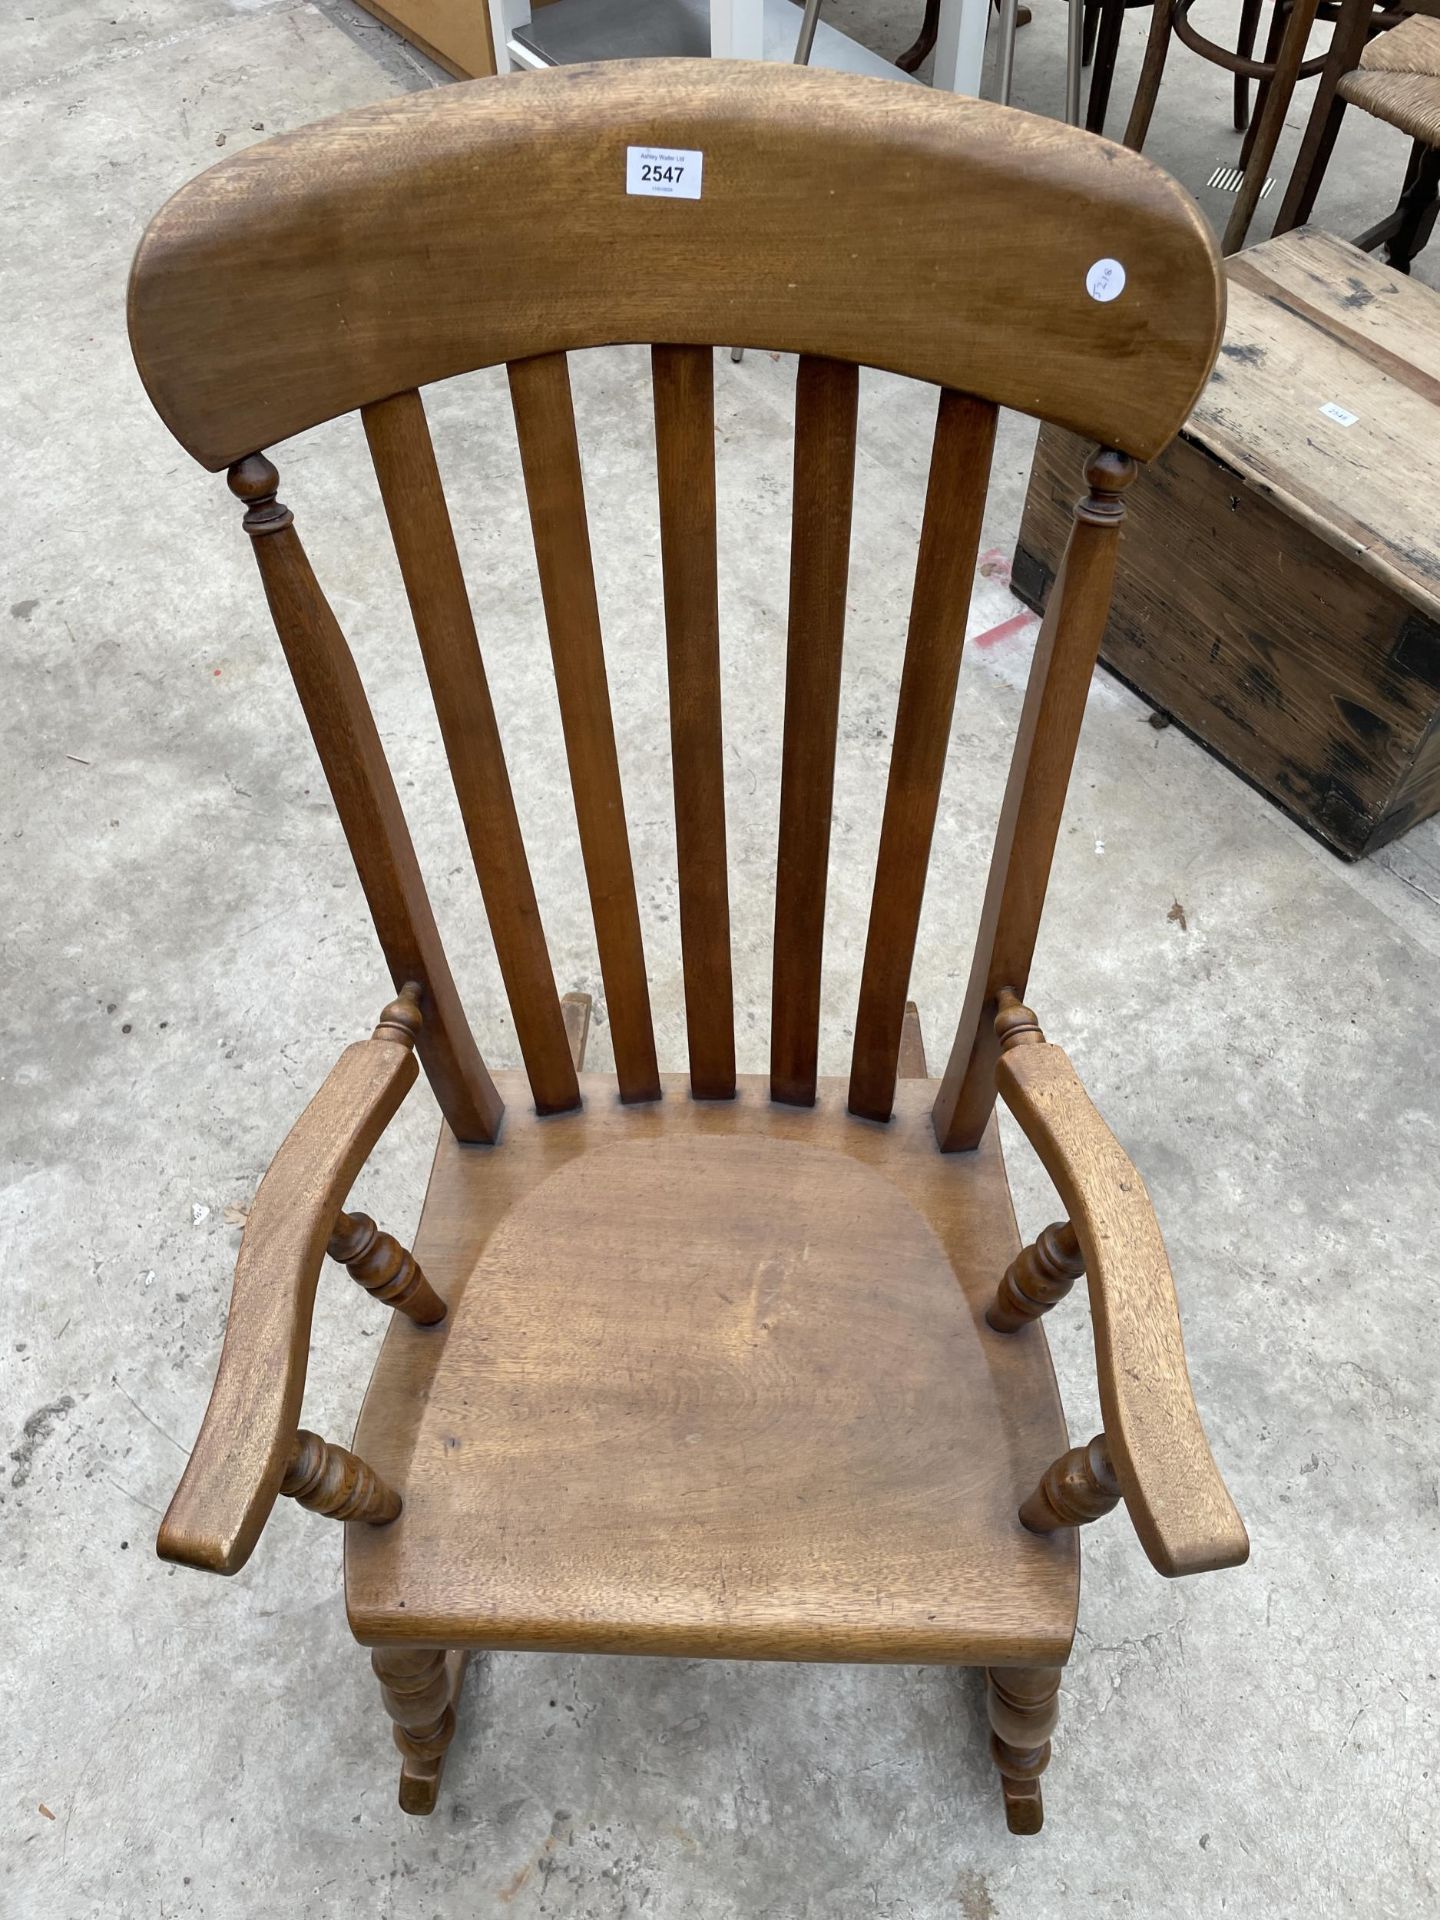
994	635
994	565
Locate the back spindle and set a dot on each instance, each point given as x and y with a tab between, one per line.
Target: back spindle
944	571
684	384
555	491
826	404
414	499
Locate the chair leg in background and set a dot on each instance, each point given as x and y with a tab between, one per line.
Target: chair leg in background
916	55
1323	126
1262	87
1270	110
1245	47
1107	48
1152	68
1405	231
1090	29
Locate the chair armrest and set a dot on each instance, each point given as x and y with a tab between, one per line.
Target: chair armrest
240	1456
1184	1516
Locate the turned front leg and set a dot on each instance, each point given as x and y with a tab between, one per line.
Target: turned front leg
419	1686
1024	1705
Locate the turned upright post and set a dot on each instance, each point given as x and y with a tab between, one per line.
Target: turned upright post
363	789
1034	800
374	1260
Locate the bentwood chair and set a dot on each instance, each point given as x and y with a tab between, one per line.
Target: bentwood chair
713	1364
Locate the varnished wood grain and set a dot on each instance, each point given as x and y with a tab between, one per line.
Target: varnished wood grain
387	1271
330	1480
419	518
1079	1487
826	403
1024	1705
840	216
1186	1520
1034	797
363	789
550	456
1038	1278
419	1687
760	1414
949	542
243	1448
684	387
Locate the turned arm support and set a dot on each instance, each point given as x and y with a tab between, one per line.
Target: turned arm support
1153	1440
250	1439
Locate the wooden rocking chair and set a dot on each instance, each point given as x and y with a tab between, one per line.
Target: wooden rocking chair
710	1364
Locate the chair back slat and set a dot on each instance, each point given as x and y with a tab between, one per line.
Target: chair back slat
978	250
1044	751
363	790
826	405
414	500
684	386
949	543
550	459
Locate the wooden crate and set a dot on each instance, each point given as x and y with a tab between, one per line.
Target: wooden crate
1279	583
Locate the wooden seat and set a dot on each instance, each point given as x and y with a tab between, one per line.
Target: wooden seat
712	1363
716	1379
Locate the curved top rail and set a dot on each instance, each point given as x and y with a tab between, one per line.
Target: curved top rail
850	218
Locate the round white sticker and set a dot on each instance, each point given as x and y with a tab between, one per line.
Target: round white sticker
1105	280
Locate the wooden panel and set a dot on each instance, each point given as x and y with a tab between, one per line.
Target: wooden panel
1034	798
826	401
455	34
1237	620
685	452
844	217
363	790
1368	489
949	541
550	456
762	1417
425	545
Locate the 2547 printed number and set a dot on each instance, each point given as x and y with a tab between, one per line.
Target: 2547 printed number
672	173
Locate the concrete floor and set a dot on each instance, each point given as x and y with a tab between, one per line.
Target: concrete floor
186	949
